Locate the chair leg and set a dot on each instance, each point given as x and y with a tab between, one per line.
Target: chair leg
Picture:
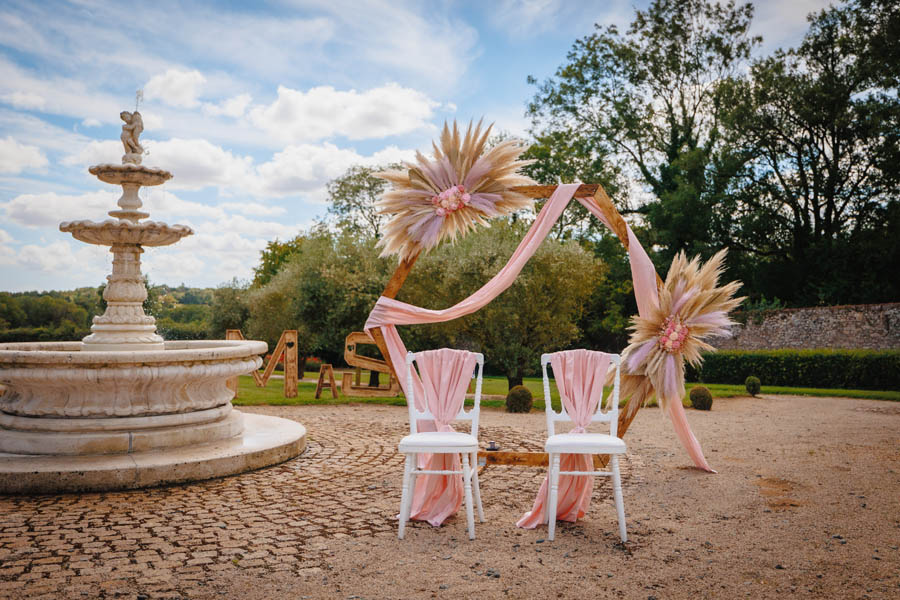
467	484
554	492
476	487
406	496
617	494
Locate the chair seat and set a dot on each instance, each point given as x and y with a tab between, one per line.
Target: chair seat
584	443
439	441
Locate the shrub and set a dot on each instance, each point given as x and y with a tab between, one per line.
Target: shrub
841	369
519	400
701	398
752	384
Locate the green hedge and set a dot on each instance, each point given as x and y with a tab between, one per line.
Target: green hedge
843	369
67	332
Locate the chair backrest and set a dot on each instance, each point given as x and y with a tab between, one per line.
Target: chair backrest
612	403
415	415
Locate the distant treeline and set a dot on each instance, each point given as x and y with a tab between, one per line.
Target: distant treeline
181	313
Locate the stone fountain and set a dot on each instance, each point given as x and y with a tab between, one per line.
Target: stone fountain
123	408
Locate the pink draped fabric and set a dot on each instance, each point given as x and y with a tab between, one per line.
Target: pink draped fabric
646	293
389	312
579	376
441	385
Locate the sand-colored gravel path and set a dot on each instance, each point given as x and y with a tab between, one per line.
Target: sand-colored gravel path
806	504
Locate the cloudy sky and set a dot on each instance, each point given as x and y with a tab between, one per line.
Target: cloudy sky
254	107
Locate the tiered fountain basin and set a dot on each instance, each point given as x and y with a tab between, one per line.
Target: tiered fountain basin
72	419
124	408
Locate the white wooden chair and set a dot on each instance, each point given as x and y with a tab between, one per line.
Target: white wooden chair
584	443
437	442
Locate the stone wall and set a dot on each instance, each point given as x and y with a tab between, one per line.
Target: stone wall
869	326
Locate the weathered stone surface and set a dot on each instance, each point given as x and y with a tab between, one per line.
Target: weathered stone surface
859	326
261	441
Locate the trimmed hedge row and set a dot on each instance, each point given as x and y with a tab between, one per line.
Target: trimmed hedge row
67	332
842	369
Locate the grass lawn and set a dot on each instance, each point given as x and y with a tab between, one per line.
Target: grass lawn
250	395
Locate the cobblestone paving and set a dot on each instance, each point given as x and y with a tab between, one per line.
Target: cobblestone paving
171	542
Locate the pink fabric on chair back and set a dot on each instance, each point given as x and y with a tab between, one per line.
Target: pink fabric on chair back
444	378
579	376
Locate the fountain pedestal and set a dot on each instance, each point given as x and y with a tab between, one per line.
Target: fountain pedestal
123	408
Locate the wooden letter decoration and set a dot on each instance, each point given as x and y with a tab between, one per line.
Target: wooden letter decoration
286	346
326	370
350	384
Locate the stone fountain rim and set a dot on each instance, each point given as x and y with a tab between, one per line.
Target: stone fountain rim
65	354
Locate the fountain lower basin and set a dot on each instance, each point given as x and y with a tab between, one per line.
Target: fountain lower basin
75	420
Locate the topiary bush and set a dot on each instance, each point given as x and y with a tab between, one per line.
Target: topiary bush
752	384
519	400
701	398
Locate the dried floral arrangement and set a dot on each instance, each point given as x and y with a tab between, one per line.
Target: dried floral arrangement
692	307
465	184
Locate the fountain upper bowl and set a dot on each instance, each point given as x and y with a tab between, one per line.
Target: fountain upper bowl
130	174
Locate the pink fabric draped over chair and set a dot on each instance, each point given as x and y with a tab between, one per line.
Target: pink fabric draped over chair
389	312
441	385
579	376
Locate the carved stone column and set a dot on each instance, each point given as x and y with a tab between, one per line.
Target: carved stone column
124	326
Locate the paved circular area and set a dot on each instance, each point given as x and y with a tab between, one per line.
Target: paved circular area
172	542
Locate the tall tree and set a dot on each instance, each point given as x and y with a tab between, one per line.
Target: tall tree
648	98
326	291
821	125
352	198
563	157
229	308
273	258
538	313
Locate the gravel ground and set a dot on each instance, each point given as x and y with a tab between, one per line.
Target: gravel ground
806	504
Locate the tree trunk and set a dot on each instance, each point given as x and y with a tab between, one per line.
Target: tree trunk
301	366
513	380
373	379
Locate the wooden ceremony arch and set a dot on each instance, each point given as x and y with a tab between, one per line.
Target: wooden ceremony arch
616	222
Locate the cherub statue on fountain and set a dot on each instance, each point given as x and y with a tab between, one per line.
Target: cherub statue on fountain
131	131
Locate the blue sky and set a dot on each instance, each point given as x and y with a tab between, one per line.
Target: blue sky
254	107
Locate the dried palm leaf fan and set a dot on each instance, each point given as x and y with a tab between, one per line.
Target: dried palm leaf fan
464	185
692	307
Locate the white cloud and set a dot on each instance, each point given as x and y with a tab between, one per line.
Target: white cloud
233	107
525	18
16	157
324	112
63	256
306	168
61	95
95	152
91	122
49	209
197	163
254	208
176	87
25	100
33	131
781	23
